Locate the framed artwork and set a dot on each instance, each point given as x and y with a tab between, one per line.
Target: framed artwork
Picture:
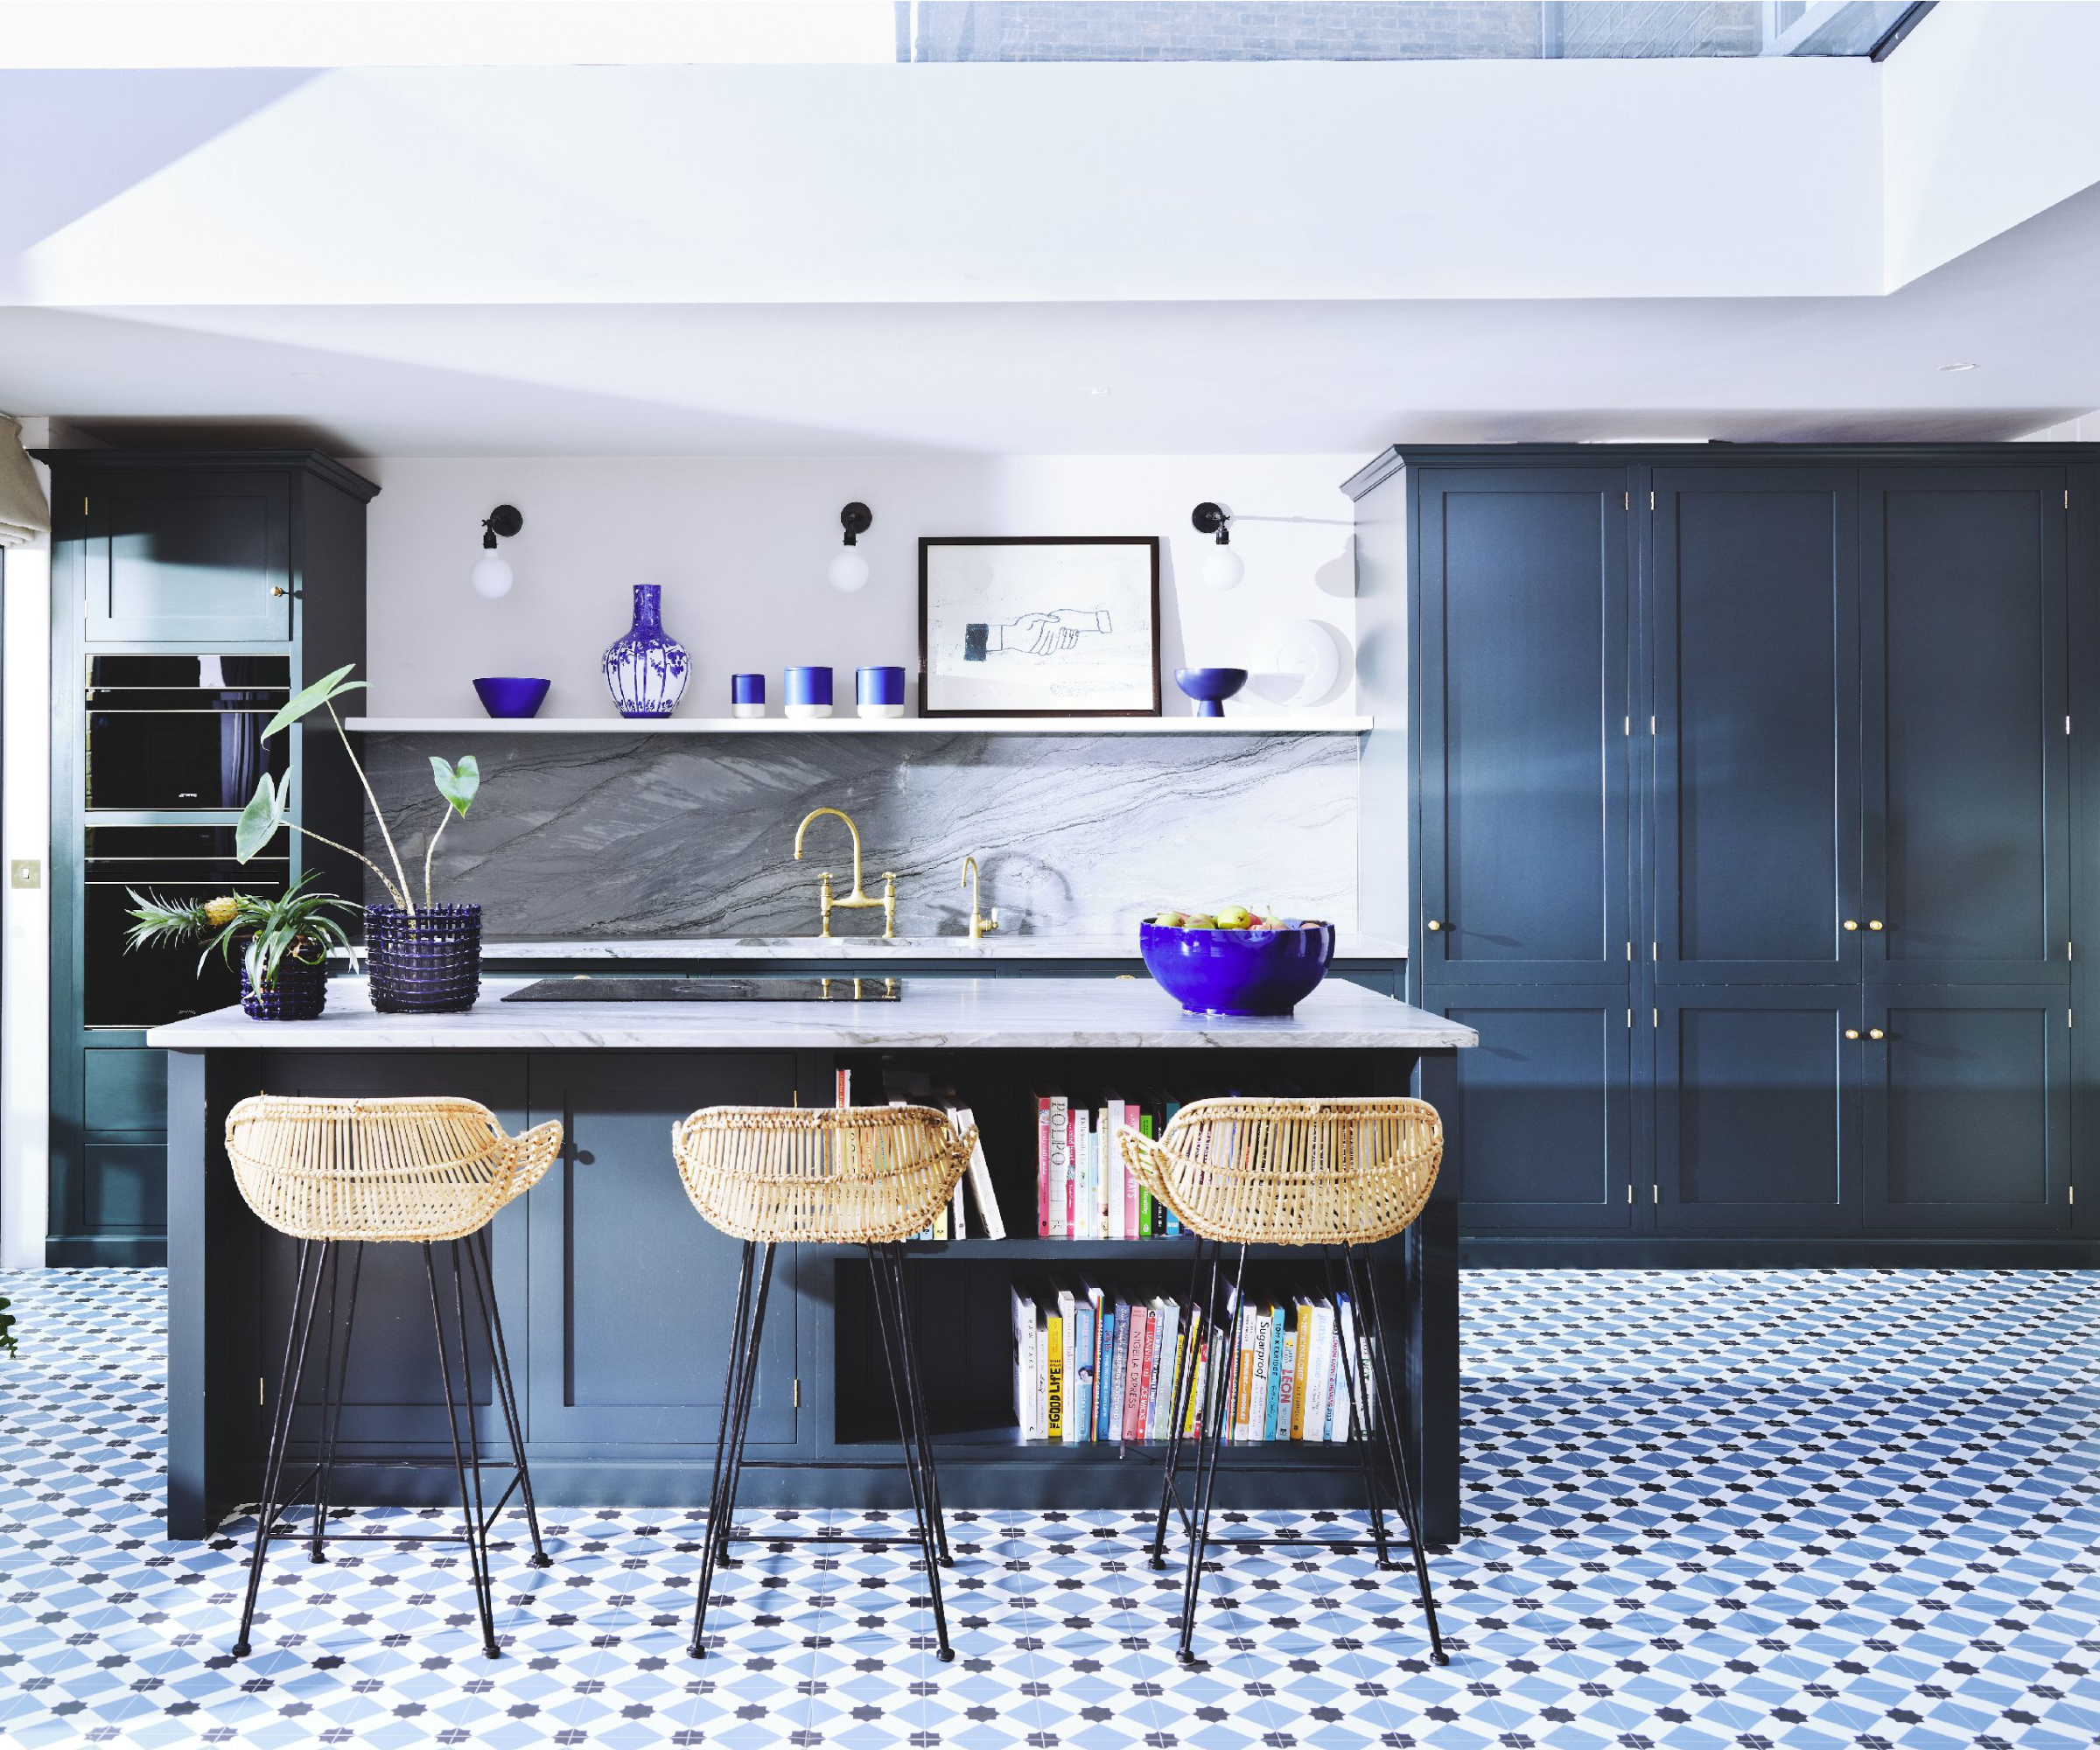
1042	626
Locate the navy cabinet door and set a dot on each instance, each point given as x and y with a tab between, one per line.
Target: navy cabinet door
1543	1142
198	558
631	1291
1965	663
1523	602
1969	1109
1757	1122
1755	610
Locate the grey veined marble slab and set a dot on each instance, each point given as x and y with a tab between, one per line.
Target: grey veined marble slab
694	836
990	949
932	1014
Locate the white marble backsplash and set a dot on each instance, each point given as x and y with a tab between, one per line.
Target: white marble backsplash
666	836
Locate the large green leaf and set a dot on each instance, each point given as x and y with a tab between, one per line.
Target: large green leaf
311	698
458	786
262	817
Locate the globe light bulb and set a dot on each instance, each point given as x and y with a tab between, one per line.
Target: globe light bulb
848	570
491	577
1222	568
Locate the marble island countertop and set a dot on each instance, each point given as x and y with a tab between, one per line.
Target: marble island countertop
932	1014
1349	946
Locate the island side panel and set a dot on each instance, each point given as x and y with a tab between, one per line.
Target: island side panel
214	1334
1432	1315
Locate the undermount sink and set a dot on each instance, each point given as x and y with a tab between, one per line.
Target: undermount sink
703	988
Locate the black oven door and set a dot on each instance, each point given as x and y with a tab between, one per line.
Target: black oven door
182	731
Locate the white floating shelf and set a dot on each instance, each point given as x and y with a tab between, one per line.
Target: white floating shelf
858	726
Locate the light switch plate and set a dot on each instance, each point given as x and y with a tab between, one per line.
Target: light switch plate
26	872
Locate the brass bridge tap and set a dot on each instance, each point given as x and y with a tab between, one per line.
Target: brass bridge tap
856	900
979	927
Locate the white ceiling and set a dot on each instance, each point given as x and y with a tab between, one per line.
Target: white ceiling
1026	259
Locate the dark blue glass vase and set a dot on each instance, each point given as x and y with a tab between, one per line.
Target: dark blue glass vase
647	669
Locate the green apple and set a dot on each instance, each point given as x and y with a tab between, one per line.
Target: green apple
1235	917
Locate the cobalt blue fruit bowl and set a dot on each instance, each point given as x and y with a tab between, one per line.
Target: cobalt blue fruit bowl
1210	687
510	696
1238	972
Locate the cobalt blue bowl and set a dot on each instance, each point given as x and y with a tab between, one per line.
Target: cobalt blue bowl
1238	972
509	695
1210	687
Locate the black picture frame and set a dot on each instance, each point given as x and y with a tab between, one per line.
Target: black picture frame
927	707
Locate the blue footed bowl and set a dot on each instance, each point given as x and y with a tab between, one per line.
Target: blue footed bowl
1210	687
1238	972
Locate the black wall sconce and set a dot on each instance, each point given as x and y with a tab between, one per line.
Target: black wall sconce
849	570
1222	569
492	573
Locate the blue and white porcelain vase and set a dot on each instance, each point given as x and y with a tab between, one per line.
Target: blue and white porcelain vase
647	669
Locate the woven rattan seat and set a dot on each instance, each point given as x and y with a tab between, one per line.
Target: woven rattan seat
414	1169
849	1175
869	1176
1292	1173
335	1174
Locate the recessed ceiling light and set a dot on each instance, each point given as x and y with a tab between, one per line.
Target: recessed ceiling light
1098	389
1968	367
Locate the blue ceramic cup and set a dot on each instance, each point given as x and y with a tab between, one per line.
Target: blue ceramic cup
879	692
808	692
747	696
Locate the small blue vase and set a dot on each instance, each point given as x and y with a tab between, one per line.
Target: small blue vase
647	669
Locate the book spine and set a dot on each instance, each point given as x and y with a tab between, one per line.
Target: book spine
1162	1384
842	1087
1243	1360
1272	1362
1061	1168
1119	1370
1286	1395
1042	1167
1057	1377
1133	1384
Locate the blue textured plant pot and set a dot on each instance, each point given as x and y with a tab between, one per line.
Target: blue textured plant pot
1238	972
1210	687
647	669
509	696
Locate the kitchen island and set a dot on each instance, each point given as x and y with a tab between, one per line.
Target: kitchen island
616	1296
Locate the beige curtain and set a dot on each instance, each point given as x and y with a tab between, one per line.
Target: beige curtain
23	515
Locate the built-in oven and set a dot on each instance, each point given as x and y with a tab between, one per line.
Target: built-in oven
183	731
181	864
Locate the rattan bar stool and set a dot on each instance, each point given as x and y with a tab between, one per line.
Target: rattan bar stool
1334	1174
336	1174
866	1176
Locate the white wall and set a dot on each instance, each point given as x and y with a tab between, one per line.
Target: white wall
25	913
1987	118
740	547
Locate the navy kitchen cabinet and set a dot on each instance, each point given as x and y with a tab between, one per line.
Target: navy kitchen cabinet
233	575
632	1291
1855	877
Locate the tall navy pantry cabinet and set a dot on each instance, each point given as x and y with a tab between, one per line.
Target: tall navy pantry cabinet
1749	819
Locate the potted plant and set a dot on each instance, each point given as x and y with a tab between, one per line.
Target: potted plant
284	942
423	959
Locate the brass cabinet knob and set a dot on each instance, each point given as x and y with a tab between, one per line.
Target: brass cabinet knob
1852	1033
279	589
1852	923
1873	923
1873	1033
1435	924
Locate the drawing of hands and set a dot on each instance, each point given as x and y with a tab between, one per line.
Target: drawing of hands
1047	633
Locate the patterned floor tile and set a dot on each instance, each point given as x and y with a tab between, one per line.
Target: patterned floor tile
1704	1511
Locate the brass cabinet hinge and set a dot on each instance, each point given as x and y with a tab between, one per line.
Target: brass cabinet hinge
1629	951
1651	498
2070	1194
1655	1018
1629	1193
2067	498
259	1400
798	1394
1628	497
1629	1020
1657	1189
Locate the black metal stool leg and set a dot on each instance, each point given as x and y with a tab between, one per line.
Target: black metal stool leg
1403	1482
1184	1388
482	1517
747	1390
306	1292
921	1424
714	1492
888	1280
1360	1434
335	1377
452	1426
483	1272
1210	1443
